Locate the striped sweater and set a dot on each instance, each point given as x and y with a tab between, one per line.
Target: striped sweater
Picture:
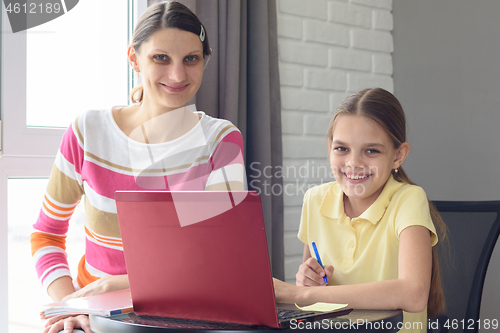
96	159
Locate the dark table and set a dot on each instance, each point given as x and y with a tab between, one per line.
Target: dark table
360	321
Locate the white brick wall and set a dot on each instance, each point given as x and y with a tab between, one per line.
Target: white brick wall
327	49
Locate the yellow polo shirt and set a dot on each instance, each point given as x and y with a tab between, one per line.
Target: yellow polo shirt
365	249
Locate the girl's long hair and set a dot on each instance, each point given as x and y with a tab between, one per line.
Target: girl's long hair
165	15
383	107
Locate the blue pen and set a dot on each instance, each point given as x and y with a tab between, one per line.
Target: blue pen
316	253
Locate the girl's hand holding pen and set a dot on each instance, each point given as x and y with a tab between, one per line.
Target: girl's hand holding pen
311	274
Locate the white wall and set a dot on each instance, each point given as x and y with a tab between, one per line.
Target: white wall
327	49
447	76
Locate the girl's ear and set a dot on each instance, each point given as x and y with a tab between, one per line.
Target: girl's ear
133	59
401	154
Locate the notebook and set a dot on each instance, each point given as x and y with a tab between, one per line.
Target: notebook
109	304
200	255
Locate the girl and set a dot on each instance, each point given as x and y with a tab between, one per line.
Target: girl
157	143
374	229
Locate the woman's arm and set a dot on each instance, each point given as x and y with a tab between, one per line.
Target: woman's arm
228	167
61	288
104	285
64	191
409	292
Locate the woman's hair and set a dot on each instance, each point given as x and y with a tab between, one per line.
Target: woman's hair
164	15
382	107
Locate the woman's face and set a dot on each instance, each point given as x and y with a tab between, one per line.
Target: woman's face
171	67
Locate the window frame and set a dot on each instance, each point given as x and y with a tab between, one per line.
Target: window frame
25	152
18	138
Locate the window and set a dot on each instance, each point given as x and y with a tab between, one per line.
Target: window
50	74
84	52
22	278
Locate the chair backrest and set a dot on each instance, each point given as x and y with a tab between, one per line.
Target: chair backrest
473	229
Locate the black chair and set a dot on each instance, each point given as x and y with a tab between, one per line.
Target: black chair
473	229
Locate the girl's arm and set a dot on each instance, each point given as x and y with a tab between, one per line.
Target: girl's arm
310	273
409	292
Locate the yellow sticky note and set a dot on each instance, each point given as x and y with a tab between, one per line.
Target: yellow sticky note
321	307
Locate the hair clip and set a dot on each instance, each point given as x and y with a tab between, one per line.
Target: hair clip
202	34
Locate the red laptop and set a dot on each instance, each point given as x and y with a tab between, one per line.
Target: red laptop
200	255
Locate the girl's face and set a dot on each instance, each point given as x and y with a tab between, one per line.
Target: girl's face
171	67
362	157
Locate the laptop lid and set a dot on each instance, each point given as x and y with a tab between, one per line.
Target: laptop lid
197	255
201	255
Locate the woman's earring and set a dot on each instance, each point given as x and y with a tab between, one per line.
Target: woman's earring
396	170
136	74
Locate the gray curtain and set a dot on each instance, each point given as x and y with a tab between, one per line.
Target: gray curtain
241	84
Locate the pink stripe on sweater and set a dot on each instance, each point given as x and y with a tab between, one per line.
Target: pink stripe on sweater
71	149
49	260
51	271
106	260
105	182
49	225
229	151
234	137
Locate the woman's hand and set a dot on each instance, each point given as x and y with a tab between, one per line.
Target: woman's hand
104	285
311	274
67	323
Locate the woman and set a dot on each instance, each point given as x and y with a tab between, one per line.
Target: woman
157	143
